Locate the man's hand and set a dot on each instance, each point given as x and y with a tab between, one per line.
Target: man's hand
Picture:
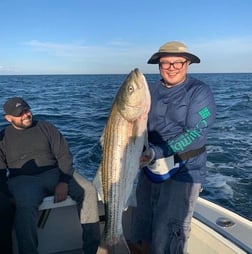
61	191
147	156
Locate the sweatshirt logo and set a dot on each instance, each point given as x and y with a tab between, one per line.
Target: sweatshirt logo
204	113
190	135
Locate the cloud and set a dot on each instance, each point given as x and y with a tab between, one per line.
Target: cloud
115	56
225	46
119	42
5	68
231	54
77	50
58	49
120	56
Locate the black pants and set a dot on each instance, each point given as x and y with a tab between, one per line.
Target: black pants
6	224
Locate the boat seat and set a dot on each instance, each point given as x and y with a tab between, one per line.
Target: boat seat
59	229
48	203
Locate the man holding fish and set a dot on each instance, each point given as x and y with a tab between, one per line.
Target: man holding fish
174	162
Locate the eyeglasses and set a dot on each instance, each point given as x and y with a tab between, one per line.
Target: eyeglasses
176	65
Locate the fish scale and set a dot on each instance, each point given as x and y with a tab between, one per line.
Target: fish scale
113	208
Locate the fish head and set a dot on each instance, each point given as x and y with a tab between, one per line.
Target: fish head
133	97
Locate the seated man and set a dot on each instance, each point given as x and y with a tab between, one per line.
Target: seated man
40	164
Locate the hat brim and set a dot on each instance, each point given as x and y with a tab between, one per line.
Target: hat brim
155	57
18	112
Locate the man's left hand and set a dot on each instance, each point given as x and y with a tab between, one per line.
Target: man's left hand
60	193
147	157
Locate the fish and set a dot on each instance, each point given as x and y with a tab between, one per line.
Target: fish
122	142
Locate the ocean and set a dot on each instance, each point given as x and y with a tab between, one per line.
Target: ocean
79	106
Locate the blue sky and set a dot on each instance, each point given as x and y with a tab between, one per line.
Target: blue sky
113	36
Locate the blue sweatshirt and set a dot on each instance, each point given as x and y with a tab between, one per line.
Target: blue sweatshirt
179	120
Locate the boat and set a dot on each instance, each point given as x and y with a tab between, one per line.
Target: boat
215	230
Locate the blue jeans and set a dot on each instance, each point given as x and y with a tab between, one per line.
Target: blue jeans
163	214
29	192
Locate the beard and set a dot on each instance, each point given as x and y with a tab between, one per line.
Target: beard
24	123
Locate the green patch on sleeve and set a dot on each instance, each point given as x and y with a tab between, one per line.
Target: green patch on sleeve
204	113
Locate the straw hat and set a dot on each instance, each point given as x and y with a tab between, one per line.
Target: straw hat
173	48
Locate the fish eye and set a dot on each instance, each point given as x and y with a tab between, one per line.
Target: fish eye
131	89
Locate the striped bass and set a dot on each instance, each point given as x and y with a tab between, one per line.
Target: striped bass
122	143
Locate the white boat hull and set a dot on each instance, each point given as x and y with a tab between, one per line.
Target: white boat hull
60	232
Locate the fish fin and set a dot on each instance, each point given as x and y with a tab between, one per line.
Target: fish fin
146	142
102	136
97	182
132	200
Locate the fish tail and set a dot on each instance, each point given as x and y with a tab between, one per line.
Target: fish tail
118	246
102	250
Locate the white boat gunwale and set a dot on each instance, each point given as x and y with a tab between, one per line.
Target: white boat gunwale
240	230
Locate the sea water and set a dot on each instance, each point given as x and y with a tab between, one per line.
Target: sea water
79	106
